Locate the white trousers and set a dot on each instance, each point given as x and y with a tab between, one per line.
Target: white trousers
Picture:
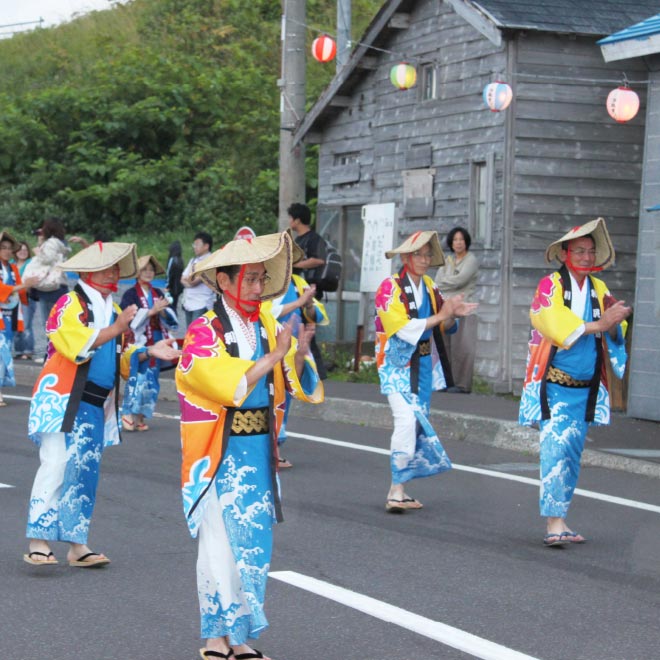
404	436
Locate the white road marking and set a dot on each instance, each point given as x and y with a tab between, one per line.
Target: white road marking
440	632
611	499
15	397
6	486
488	473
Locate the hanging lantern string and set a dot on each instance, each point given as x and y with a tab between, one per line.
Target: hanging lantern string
604	81
318	30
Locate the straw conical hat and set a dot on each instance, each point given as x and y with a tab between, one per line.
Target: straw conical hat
598	230
144	260
297	254
273	250
417	241
6	236
99	256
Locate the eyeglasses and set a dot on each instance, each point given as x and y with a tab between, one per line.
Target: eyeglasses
423	255
581	252
252	281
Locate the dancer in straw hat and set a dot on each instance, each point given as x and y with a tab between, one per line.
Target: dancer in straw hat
12	293
236	366
412	361
576	326
74	410
298	307
156	322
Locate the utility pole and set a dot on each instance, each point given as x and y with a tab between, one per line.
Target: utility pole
292	107
343	32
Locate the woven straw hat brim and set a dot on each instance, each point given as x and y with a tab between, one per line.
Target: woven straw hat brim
144	260
417	241
99	256
6	236
298	254
597	228
273	250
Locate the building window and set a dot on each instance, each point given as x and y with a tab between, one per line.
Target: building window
345	172
428	79
481	199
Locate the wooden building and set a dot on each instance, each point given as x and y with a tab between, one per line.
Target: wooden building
517	179
641	42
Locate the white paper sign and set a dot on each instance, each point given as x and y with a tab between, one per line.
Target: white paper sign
378	220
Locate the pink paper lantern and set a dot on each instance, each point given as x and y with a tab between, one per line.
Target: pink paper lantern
324	48
622	104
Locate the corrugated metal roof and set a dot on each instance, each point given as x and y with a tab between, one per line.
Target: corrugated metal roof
595	17
647	28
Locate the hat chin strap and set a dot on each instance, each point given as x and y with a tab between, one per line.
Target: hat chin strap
582	269
252	314
112	286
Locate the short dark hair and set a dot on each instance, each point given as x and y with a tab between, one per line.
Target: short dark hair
466	237
204	237
53	227
231	271
300	212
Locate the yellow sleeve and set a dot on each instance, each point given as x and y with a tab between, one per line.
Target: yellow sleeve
70	337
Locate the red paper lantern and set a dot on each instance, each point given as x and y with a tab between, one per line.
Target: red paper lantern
324	48
622	104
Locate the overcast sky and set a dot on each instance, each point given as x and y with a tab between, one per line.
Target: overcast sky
52	11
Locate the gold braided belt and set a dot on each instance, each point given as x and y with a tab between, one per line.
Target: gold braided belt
250	421
562	378
424	347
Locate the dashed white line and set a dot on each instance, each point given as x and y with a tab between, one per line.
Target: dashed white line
611	499
440	632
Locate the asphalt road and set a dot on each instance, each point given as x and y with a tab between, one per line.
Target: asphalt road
349	580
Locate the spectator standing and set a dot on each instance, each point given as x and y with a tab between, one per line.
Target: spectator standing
173	273
457	276
48	256
198	297
24	341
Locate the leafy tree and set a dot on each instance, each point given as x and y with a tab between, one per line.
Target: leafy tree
156	116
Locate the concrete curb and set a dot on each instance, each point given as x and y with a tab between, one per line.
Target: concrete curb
489	431
468	428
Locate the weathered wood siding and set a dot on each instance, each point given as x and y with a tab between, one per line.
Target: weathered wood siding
572	164
644	365
389	128
560	160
